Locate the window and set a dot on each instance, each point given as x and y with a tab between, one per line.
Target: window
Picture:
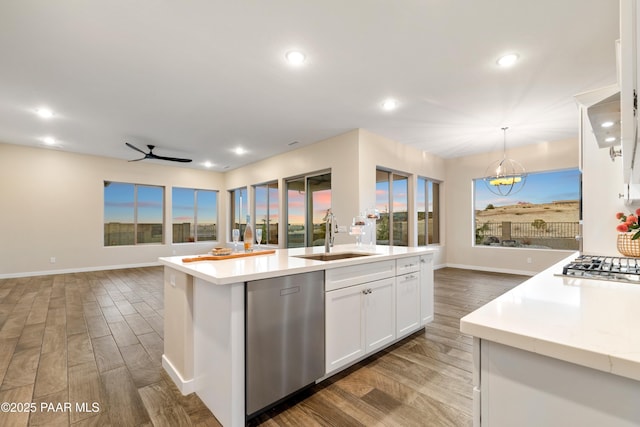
195	215
428	208
295	213
545	214
238	202
308	199
267	212
392	198
133	214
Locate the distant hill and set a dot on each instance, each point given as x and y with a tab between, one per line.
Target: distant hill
557	211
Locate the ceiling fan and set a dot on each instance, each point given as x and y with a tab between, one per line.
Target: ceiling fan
150	155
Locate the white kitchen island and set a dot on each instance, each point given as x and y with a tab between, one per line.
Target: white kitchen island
204	334
558	351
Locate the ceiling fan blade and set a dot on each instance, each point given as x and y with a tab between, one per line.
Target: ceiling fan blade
151	155
171	159
135	148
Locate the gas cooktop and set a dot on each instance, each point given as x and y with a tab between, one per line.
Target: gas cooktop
604	268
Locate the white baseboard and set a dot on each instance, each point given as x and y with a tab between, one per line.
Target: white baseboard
185	386
492	270
77	270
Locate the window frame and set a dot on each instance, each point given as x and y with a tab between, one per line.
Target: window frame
389	203
238	196
309	226
136	207
541	227
434	237
266	230
196	192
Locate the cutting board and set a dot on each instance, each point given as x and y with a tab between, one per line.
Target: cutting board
230	256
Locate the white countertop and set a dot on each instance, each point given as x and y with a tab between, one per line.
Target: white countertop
284	262
592	323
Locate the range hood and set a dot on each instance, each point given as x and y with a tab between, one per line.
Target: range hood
605	120
603	111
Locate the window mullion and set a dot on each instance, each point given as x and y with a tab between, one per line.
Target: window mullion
266	223
135	214
426	212
195	215
390	209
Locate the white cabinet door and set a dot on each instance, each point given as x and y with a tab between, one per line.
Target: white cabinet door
380	313
345	327
407	304
426	289
524	389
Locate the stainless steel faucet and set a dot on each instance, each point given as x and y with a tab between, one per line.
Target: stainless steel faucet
331	227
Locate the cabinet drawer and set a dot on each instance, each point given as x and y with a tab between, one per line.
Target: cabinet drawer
407	265
337	278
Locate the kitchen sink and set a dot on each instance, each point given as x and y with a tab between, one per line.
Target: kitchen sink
333	257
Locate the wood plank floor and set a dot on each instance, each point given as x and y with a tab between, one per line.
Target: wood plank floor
95	339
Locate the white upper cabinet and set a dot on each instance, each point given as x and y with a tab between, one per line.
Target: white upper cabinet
628	69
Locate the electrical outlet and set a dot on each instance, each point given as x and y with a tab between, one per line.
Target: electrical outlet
172	280
52	260
529	260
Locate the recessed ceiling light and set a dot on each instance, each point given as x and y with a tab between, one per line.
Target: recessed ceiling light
607	124
390	104
49	140
508	60
44	113
295	57
208	164
610	139
240	151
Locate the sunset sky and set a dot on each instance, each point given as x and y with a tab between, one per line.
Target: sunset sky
119	203
544	187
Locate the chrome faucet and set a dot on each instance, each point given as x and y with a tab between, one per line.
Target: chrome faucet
331	227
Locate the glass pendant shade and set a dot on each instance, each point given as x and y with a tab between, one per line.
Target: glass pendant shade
506	176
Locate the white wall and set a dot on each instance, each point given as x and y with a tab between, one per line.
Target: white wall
352	158
378	151
602	183
460	251
53	201
52	206
336	154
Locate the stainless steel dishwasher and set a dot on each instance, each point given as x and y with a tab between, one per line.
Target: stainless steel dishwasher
284	337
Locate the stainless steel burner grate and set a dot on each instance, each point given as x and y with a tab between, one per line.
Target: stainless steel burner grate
604	268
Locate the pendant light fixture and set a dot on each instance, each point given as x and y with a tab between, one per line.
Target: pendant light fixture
506	176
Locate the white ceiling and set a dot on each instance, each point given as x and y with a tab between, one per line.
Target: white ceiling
198	78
